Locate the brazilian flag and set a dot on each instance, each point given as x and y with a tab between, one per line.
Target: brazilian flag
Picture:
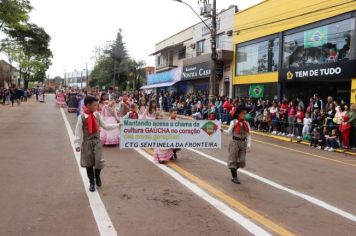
257	90
316	37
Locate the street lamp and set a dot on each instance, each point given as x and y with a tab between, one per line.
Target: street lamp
212	30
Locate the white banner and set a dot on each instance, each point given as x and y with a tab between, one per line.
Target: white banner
170	134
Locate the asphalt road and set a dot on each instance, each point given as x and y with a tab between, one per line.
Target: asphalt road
287	188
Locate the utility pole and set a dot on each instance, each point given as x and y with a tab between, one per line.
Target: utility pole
87	79
213	54
210	12
81	80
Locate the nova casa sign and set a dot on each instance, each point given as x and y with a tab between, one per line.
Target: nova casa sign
197	71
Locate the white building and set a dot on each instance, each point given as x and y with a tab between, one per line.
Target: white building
183	60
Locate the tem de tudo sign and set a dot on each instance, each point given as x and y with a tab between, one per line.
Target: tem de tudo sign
330	71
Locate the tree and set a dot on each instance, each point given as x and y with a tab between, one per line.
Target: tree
14	15
113	66
34	56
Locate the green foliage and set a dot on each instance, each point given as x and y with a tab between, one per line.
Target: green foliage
25	43
14	14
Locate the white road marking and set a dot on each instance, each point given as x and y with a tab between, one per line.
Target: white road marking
308	198
222	207
101	216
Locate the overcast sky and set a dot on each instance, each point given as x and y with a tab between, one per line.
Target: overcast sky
77	26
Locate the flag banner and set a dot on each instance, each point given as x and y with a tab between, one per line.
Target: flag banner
316	37
256	90
170	134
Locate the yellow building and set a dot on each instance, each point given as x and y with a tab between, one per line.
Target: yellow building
295	48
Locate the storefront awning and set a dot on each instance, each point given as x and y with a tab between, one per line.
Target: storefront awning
160	85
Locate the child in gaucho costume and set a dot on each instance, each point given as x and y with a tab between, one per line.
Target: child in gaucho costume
87	140
240	142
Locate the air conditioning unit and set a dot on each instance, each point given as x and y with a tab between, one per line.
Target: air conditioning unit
229	33
205	10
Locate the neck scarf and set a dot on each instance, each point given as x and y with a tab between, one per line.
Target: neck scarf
91	122
238	126
133	115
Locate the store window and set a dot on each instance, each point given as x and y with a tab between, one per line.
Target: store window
320	45
160	60
182	53
200	47
258	58
220	40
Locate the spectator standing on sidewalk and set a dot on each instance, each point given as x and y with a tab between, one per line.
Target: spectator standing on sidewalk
318	103
300	103
227	106
292	112
306	126
330	114
345	129
283	117
274	114
299	118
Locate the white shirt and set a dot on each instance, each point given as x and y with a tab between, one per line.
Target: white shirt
232	126
79	128
307	122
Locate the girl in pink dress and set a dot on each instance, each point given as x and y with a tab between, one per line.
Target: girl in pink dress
108	113
150	113
142	107
61	101
162	155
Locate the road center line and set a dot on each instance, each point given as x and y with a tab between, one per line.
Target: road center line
219	205
97	206
308	198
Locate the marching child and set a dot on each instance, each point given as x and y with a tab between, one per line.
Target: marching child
132	114
173	116
240	142
162	154
87	140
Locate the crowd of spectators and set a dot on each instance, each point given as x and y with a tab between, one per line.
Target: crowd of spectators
326	124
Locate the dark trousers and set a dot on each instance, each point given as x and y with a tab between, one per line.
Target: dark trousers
300	129
331	143
93	173
314	142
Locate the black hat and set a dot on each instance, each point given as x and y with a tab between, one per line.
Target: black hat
240	108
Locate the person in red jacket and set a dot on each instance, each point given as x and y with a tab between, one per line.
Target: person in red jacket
227	109
283	115
345	129
300	117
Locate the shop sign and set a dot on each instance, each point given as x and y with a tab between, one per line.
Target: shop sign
330	71
197	71
164	77
201	70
